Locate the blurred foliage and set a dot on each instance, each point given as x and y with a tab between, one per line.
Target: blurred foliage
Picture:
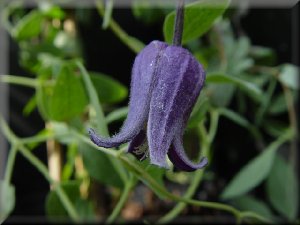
244	84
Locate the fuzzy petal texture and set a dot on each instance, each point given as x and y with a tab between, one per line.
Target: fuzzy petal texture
180	160
181	78
144	76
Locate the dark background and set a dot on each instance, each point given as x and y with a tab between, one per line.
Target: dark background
103	51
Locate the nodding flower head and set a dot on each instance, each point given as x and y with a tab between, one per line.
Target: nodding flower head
166	81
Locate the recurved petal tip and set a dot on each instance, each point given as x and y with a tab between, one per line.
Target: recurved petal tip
180	160
107	142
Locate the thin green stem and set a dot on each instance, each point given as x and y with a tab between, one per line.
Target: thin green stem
293	124
14	140
124	196
134	44
18	80
10	163
43	170
214	121
205	146
108	13
24	81
181	205
99	117
152	183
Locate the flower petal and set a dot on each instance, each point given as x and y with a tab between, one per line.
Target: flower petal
143	79
139	146
180	160
181	78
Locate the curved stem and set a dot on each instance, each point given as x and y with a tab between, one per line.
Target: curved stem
141	174
134	44
178	25
124	196
14	140
99	118
189	193
56	187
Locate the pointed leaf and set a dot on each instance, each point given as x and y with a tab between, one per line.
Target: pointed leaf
255	171
69	98
7	199
289	75
108	89
282	188
99	166
198	19
29	26
250	88
249	203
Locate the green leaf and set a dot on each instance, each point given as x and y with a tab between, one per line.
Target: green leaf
275	127
235	117
108	89
43	95
145	177
278	105
262	55
248	87
282	188
221	94
249	203
97	119
198	19
7	199
289	75
54	12
117	114
255	171
69	98
30	106
55	209
148	11
68	167
29	26
99	166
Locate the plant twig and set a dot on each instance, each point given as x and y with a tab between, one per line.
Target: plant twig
13	139
178	25
134	44
124	196
54	157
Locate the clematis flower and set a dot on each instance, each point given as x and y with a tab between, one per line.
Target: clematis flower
166	81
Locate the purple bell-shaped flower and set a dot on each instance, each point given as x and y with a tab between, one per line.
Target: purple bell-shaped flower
166	81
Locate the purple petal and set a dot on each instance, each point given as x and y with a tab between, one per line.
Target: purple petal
139	146
143	79
180	160
181	78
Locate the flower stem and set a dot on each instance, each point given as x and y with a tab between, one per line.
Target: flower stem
124	196
178	25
